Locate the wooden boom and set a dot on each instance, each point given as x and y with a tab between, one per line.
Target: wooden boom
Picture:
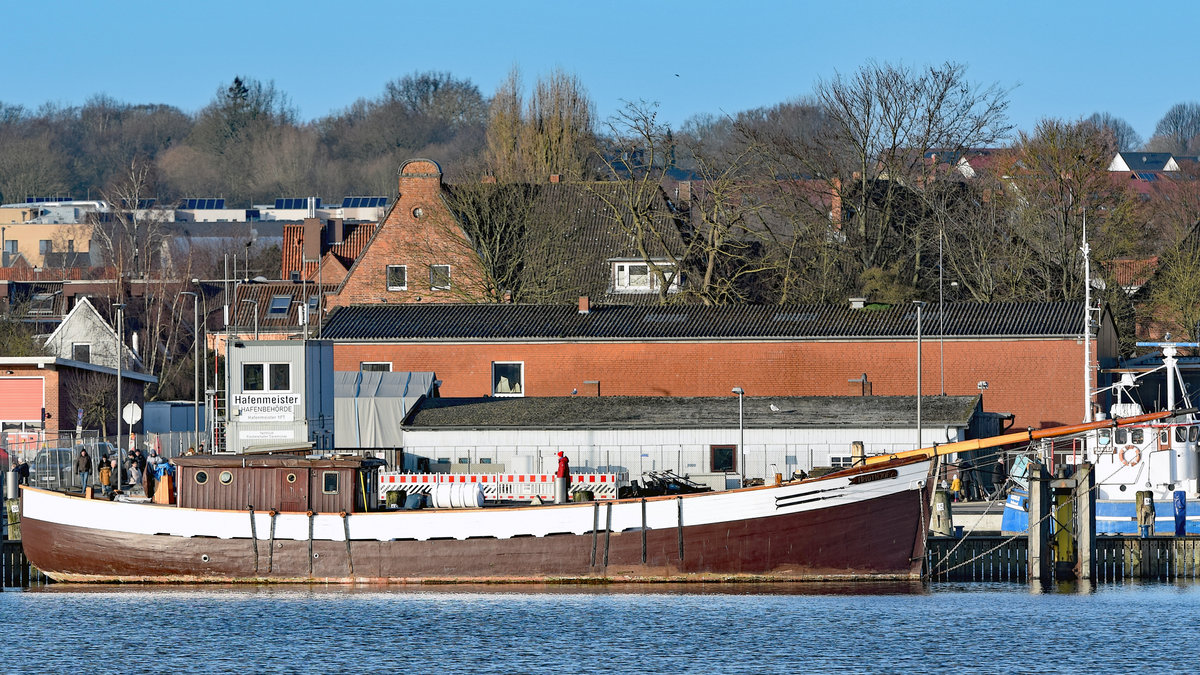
1025	436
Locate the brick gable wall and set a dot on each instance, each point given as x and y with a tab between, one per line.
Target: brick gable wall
416	241
1038	380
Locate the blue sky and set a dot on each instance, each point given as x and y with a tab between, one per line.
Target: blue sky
1061	59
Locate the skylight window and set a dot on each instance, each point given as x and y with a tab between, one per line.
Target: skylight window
279	305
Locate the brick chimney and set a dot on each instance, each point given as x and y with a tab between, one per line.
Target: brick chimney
584	306
554	178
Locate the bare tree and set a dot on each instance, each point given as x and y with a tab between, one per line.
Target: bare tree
1178	130
1124	135
1059	178
636	158
552	135
878	141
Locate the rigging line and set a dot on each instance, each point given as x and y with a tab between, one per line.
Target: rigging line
1024	533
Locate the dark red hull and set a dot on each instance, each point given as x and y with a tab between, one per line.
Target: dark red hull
879	538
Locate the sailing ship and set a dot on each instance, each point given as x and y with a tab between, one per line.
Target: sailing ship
1155	459
293	518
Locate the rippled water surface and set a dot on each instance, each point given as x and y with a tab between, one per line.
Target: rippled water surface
612	629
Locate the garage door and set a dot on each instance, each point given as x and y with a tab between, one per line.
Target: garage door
21	399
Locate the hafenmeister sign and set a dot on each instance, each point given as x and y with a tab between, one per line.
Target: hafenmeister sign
266	407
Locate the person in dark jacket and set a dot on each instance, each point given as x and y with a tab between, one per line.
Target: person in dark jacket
83	467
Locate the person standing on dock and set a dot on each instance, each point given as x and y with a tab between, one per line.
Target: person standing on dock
83	467
1000	477
562	479
956	487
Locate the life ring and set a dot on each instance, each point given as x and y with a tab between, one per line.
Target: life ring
1137	455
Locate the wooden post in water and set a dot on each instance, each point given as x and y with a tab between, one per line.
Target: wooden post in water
1085	516
1039	523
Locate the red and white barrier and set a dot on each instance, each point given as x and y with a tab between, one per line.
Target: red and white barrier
502	486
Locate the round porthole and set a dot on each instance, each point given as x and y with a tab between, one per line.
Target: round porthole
204	558
1123	488
201	477
291	478
417	212
226	478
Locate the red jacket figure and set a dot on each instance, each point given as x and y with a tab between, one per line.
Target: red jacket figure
563	466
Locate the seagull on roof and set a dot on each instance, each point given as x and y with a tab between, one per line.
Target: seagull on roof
774	408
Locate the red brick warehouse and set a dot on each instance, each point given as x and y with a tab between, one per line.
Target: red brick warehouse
1030	355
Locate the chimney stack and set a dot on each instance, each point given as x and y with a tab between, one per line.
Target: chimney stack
584	305
554	178
858	303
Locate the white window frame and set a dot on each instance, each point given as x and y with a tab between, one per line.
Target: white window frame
387	281
620	276
81	344
520	383
362	366
266	366
432	287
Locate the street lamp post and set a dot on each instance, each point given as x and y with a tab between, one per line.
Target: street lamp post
196	367
919	305
116	478
741	436
252	302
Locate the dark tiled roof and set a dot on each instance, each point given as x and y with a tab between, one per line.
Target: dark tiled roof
540	322
654	412
1146	161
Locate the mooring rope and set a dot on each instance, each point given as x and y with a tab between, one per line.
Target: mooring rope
935	569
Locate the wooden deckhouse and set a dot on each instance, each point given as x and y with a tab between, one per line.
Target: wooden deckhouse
283	483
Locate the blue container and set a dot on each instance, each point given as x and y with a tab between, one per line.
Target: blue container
1180	513
414	502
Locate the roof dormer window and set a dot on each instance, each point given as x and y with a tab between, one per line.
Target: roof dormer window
638	277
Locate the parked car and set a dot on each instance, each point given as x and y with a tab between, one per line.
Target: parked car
52	468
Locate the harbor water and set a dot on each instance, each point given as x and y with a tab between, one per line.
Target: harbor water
862	628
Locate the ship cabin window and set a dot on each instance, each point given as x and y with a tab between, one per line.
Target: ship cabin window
508	379
1104	438
266	377
1193	434
841	462
329	482
1121	436
722	458
1164	438
1137	436
226	477
1180	434
201	477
